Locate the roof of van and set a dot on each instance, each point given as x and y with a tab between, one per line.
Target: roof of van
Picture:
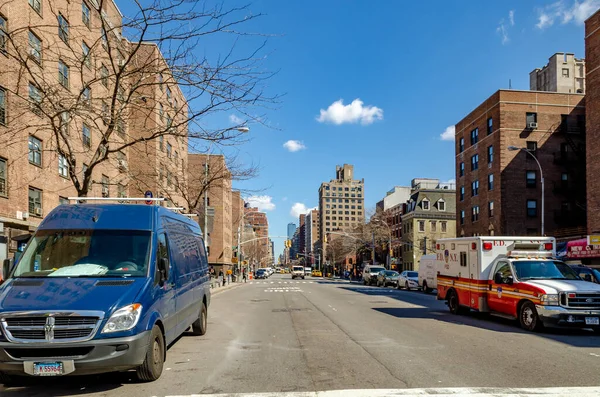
111	217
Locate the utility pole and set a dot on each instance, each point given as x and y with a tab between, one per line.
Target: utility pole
425	245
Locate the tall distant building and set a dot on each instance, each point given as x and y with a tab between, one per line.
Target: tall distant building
311	230
302	234
564	73
291	228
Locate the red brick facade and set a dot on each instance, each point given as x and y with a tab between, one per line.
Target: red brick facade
592	55
559	138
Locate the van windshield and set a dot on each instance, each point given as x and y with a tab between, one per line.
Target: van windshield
85	253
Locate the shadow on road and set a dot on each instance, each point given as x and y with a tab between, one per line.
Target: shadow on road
438	311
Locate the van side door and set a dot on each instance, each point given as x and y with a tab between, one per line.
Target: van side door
164	284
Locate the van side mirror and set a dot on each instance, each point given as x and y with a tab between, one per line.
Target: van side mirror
163	268
510	280
5	269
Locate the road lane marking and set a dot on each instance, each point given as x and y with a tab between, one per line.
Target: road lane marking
440	392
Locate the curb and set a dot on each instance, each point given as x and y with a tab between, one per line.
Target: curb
218	290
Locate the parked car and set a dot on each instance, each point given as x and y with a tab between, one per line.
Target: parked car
428	273
370	273
317	273
387	277
587	273
408	279
261	273
129	285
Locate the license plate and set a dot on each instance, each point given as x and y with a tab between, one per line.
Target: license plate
48	369
592	321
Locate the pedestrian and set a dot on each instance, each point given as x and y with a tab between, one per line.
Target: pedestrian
244	274
221	278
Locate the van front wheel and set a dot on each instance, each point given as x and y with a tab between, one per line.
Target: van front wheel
153	364
199	326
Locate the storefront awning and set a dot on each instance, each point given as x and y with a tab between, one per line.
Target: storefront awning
579	249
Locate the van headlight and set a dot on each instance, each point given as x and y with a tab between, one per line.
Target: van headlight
123	319
549	299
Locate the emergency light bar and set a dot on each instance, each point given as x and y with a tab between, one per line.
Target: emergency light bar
527	253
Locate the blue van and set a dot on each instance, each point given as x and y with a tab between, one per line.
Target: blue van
102	288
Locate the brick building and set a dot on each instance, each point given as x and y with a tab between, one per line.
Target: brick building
260	225
592	103
499	191
302	234
219	200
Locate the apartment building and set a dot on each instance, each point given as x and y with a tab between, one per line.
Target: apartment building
53	104
260	224
341	202
159	165
311	233
237	221
592	111
302	234
219	206
563	73
430	215
499	190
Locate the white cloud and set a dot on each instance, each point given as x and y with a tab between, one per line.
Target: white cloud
235	119
299	209
263	203
503	27
450	181
566	11
294	146
511	17
338	113
448	134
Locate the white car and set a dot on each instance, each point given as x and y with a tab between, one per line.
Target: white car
408	279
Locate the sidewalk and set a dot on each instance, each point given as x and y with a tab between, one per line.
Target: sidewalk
215	288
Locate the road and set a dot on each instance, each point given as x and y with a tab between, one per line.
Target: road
279	335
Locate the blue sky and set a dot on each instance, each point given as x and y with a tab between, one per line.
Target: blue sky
417	67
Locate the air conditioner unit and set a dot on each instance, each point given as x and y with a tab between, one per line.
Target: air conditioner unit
122	165
38	211
532	125
121	62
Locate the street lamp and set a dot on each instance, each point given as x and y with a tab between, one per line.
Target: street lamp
513	148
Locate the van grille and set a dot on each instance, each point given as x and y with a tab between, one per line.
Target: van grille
24	327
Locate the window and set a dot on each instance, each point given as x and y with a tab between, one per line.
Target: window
120	191
504	269
463	258
474	162
169	121
35	151
443	226
2	106
425	204
160	81
104	75
3	178
104	38
105	191
86	95
475	214
433	226
461	145
105	111
85	14
161	142
462	217
531	178
532	148
565	72
3	34
63	74
63	167
461	169
474	188
35	202
161	112
169	149
530	118
490	154
474	136
168	178
491	209
490	125
176	157
168	95
65	119
63	200
421	226
63	28
87	59
120	127
86	136
36	5
441	205
564	179
35	47
491	182
532	208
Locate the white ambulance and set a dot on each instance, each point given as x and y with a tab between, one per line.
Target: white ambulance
515	277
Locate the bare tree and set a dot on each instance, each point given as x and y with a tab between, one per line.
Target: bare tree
125	83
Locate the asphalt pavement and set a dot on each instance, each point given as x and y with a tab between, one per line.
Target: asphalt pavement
289	336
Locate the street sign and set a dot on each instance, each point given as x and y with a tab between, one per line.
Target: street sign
593	240
148	194
244	263
234	260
